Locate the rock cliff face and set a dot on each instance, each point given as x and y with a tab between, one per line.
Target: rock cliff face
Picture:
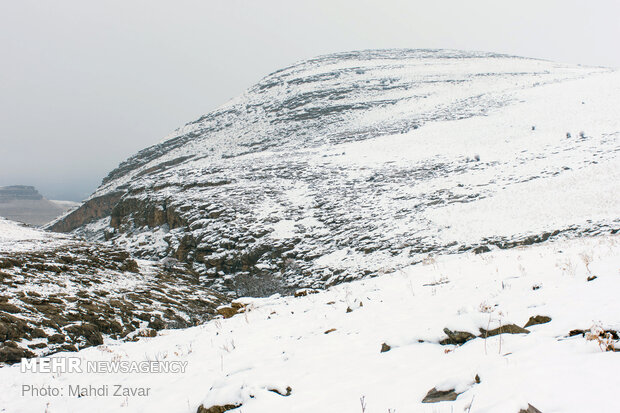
358	163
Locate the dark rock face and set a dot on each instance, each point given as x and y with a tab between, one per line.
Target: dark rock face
95	208
268	193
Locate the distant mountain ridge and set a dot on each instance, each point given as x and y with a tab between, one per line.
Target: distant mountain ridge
358	163
24	203
19	192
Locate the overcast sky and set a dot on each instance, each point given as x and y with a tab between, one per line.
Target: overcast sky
84	84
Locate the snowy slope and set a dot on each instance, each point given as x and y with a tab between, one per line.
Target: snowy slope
361	163
331	357
16	237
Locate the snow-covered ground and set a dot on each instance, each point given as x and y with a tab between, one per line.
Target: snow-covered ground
327	346
17	237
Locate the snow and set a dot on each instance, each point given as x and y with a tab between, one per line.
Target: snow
16	237
281	342
66	204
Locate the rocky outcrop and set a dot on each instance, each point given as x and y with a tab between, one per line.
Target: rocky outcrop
92	210
131	212
72	296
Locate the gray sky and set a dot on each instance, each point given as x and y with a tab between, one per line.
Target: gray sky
84	84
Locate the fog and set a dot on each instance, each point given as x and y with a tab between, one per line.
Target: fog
84	84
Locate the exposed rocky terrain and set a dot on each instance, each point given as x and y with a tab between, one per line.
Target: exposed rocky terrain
359	163
58	293
25	204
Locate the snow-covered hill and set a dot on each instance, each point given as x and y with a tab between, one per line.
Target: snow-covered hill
361	163
382	343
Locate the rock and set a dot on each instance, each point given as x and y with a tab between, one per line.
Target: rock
68	347
38	333
13	354
228	311
530	409
481	249
149	332
539	319
576	332
9	308
56	339
156	323
217	409
88	331
385	347
130	266
349	310
435	396
286	394
13	328
456	337
305	291
507	329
